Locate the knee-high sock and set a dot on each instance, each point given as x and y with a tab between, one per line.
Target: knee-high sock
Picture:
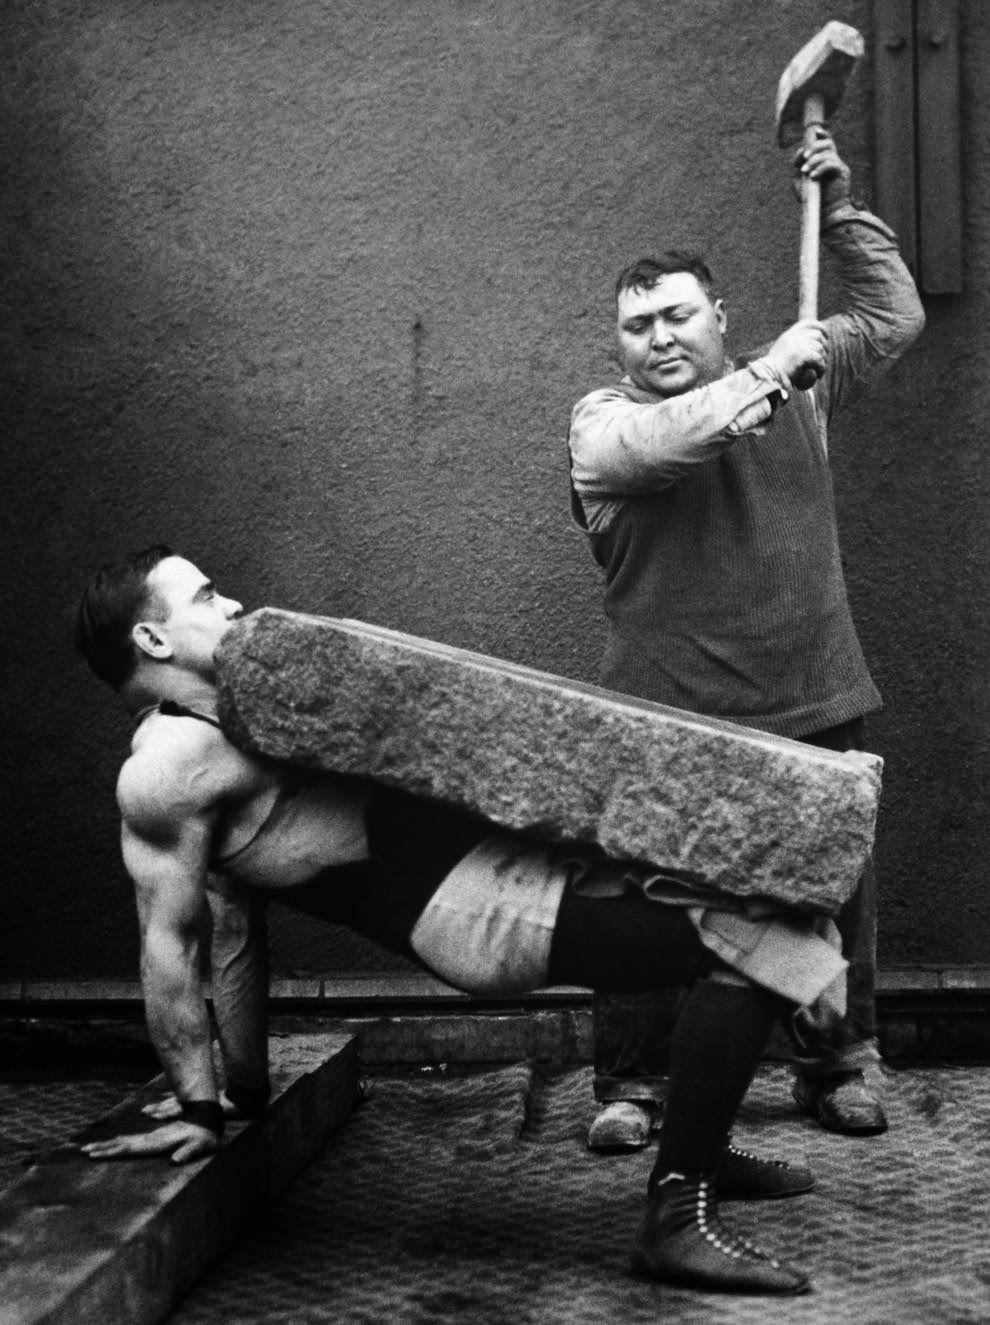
716	1047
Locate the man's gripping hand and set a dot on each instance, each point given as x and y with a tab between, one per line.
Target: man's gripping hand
181	1139
821	162
802	346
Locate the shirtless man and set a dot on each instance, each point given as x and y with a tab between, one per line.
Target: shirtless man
207	826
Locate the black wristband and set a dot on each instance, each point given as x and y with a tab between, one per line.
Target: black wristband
248	1100
204	1113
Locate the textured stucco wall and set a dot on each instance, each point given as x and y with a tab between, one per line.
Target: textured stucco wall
308	290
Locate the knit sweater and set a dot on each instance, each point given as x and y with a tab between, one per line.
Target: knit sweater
724	590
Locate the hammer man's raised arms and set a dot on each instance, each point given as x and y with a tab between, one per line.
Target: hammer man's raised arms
620	447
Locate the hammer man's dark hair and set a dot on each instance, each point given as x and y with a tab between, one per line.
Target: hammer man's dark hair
114	600
645	273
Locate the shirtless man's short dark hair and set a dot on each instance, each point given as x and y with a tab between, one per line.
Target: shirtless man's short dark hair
113	600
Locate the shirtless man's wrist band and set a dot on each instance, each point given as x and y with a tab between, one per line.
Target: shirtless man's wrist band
204	1113
250	1101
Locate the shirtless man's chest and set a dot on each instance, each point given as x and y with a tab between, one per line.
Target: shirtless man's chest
268	825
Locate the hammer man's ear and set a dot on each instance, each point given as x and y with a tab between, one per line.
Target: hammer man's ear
151	641
723	321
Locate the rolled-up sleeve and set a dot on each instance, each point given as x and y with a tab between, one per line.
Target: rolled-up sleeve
620	446
883	314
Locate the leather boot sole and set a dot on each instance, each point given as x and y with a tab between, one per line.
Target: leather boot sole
695	1271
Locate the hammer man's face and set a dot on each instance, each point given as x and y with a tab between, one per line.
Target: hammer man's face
670	336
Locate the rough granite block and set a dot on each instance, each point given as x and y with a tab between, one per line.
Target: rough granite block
715	805
120	1242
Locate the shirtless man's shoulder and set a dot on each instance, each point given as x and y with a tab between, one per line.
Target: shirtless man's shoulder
181	768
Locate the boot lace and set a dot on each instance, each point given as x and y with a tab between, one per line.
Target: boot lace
695	1203
737	1153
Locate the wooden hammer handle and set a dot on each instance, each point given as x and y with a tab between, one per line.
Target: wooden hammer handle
811	208
811	196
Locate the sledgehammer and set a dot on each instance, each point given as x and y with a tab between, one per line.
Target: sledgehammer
808	95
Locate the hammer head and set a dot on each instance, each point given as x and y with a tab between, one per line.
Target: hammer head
820	68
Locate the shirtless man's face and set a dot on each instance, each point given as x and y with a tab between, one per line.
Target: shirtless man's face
194	620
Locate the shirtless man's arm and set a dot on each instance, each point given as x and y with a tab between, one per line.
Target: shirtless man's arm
239	965
171	792
239	969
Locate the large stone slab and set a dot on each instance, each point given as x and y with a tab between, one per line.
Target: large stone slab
718	806
119	1243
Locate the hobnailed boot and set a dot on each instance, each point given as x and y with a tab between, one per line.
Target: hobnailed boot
621	1125
682	1241
743	1176
842	1102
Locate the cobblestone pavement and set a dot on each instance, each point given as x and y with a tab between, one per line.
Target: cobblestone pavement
473	1199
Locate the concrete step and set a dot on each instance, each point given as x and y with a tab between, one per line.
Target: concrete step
119	1243
925	1013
